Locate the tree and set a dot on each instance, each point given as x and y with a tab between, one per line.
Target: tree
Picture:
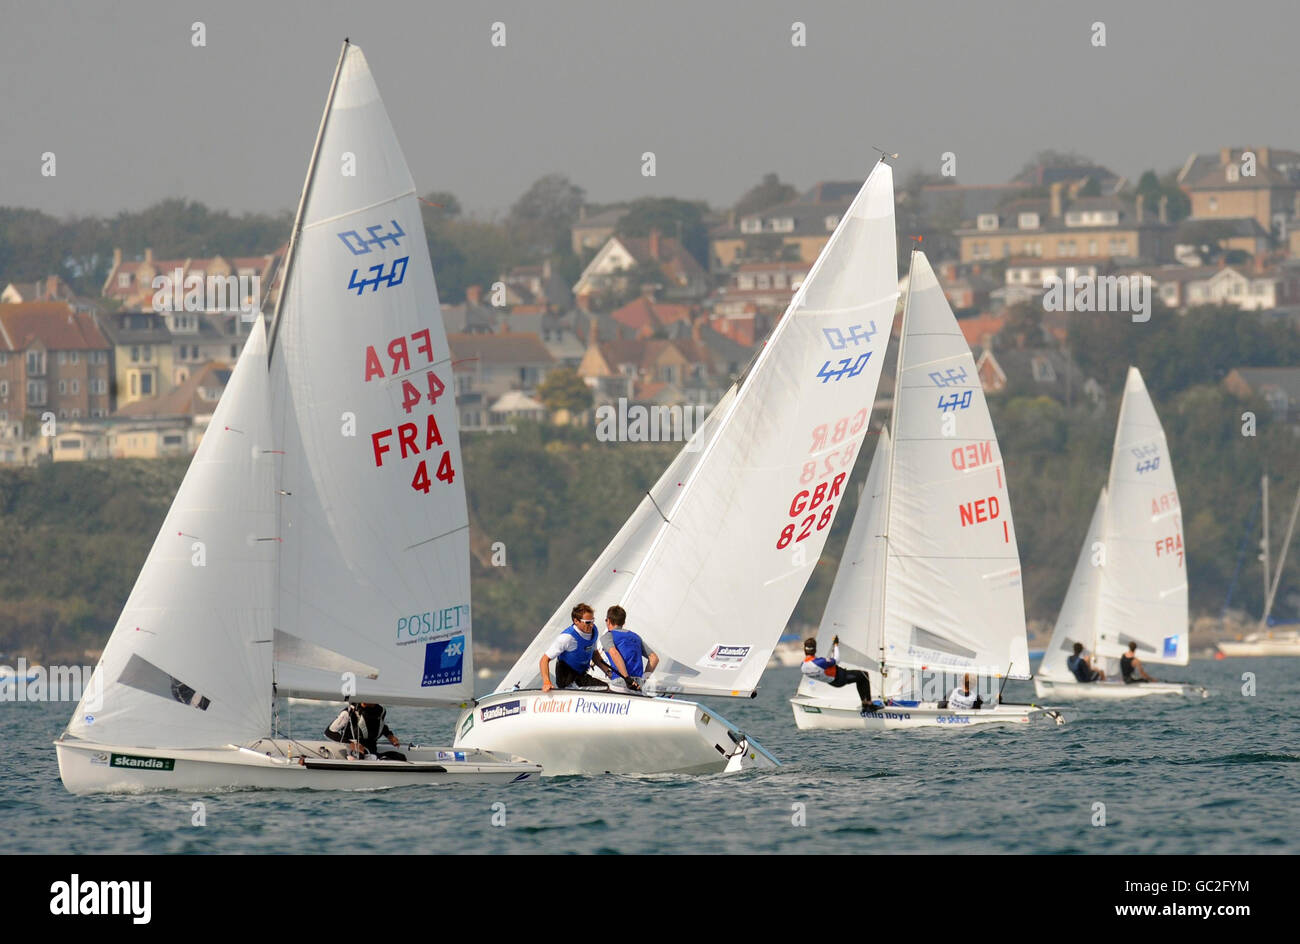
563	389
542	217
766	193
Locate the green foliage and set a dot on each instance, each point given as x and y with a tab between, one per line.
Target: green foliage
768	192
563	389
541	218
682	219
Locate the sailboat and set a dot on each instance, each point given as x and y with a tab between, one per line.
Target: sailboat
712	562
318	544
1130	580
1265	641
929	582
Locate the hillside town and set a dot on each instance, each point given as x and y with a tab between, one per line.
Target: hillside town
136	370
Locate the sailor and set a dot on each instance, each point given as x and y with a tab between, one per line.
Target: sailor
1130	666
1082	669
963	698
575	650
362	725
834	674
627	654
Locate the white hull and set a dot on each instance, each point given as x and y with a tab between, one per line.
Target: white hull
1114	691
588	733
272	765
813	714
1262	647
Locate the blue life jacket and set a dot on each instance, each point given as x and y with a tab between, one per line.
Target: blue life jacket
1075	665
628	645
579	659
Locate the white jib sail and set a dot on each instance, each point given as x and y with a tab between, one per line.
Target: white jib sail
374	568
1143	594
953	599
1078	616
189	661
719	579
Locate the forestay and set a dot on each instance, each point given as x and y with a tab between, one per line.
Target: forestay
189	661
374	569
719	579
953	597
1143	594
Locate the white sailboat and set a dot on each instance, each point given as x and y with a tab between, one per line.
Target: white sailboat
1266	641
711	564
929	581
318	543
1130	581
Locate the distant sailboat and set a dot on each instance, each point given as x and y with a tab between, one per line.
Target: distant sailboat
711	564
1266	641
929	581
318	544
1130	581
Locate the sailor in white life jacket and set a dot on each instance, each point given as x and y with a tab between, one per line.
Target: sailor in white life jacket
361	725
962	698
829	670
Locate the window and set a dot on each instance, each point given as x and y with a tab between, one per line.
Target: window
74	386
764	280
171	440
76	413
63	358
1028	221
784	224
135	354
4	358
146	385
69	443
63	387
36	363
4	388
986	221
234	351
1092	247
1043	372
72	357
147	353
1214	204
832	221
1233	173
124	280
778	280
751	224
135	385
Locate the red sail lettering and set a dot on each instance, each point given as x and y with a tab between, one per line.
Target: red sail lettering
427	347
373	369
836	483
376	439
432	436
798	504
397	351
406	437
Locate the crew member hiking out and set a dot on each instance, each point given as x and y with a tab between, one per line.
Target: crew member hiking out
829	670
361	725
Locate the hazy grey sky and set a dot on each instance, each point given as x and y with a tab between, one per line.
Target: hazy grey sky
135	113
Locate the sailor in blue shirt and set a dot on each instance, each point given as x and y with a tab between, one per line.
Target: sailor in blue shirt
1081	668
574	651
628	655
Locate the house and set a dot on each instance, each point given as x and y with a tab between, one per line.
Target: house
143	355
49	289
171	424
698	363
559	333
1066	231
234	284
680	276
1030	371
200	337
795	231
1255	287
488	366
1046	174
980	330
1279	386
1200	241
645	317
593	230
536	286
52	360
79	440
1220	189
516	405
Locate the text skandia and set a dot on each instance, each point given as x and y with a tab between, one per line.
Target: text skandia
399	353
76	897
582	706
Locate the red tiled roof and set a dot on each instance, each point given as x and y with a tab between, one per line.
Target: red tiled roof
643	313
54	324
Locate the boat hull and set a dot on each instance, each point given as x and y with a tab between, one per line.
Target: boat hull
272	765
1114	691
1263	647
589	733
813	714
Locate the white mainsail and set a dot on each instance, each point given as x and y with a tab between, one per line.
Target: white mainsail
189	661
1078	615
952	598
374	582
1143	593
853	608
717	582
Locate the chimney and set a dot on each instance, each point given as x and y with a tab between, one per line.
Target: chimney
546	270
697	329
654	244
582	213
473	293
1056	199
731	219
1164	208
1140	200
1262	154
117	257
148	255
1225	156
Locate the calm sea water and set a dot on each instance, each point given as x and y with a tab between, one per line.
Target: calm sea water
1216	776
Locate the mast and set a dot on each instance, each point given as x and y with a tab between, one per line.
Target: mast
1281	562
302	204
1263	484
893	453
